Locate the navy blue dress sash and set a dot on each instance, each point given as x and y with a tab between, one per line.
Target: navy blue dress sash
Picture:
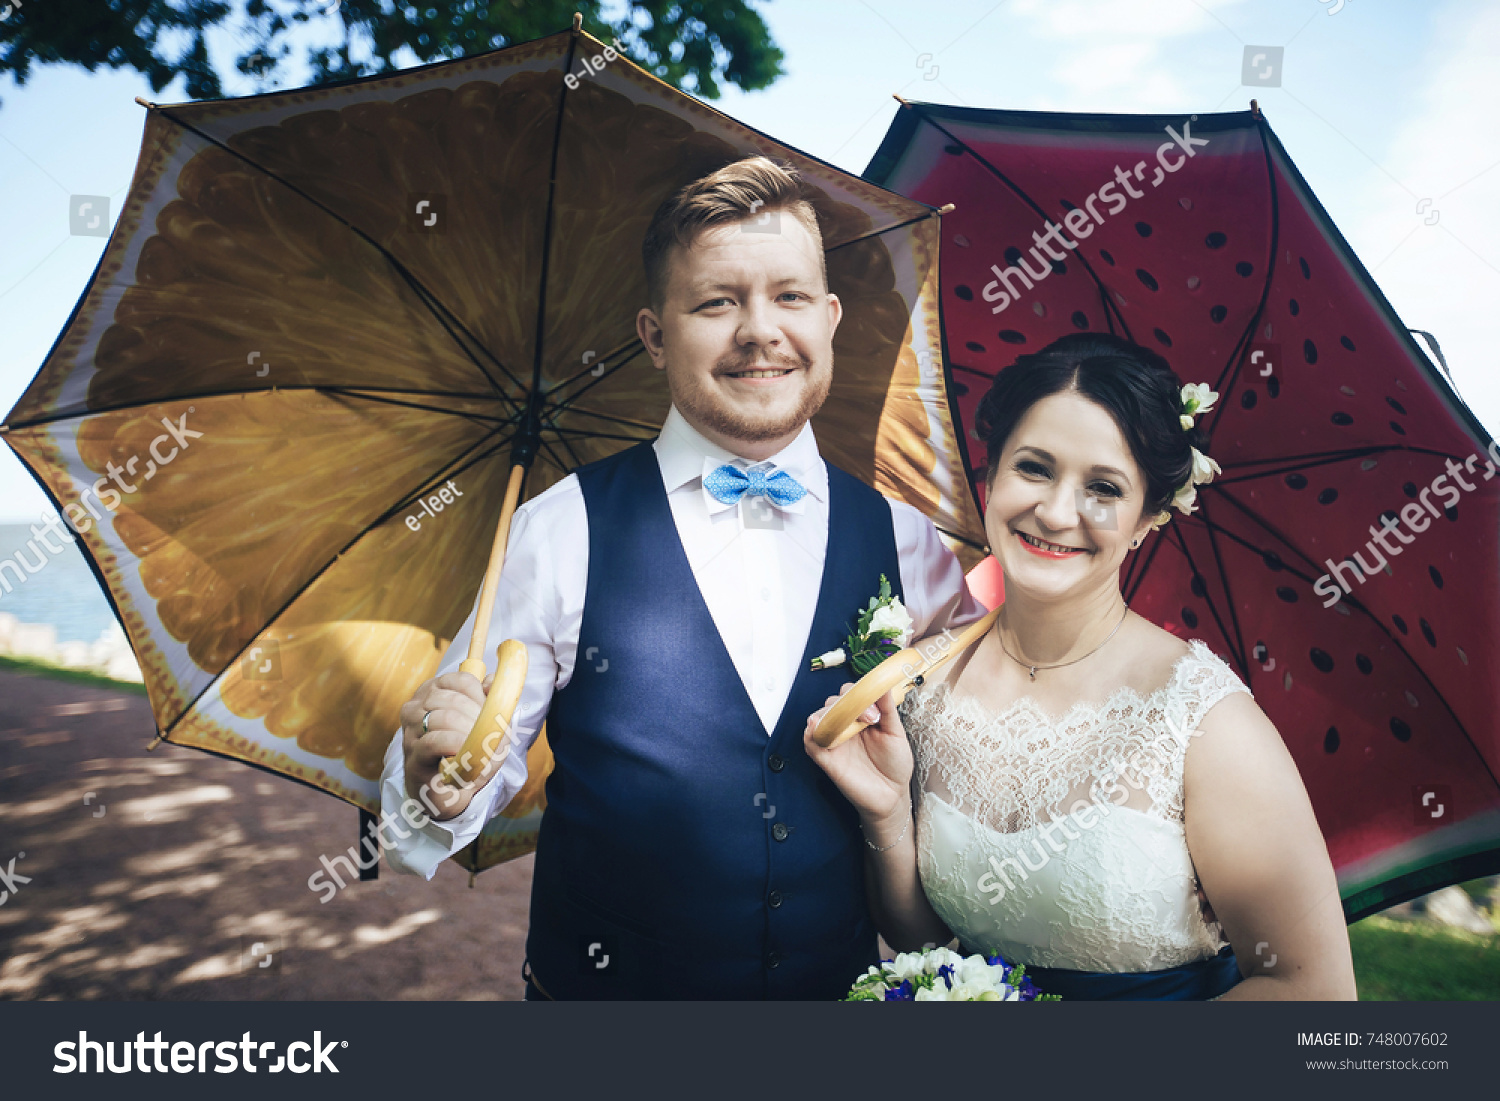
1197	981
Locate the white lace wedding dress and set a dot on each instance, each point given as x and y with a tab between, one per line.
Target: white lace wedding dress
1060	843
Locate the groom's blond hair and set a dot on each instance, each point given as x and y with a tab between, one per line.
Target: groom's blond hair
744	189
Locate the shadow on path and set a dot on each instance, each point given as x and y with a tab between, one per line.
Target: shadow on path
194	860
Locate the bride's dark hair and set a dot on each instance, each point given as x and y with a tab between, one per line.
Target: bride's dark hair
1133	384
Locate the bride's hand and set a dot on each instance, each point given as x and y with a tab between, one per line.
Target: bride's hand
873	768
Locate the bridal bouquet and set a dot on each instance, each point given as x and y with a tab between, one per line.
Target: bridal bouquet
938	975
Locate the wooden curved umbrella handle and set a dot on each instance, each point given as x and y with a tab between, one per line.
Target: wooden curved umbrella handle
491	736
842	722
896	673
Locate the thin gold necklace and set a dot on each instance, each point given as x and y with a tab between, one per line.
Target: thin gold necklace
1033	668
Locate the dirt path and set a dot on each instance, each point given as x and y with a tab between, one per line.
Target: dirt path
196	859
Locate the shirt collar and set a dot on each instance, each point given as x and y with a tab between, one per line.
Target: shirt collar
685	454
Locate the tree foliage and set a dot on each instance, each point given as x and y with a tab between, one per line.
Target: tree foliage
692	44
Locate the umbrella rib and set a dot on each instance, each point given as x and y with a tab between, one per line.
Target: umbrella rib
879	232
541	304
631	346
1325	458
565	434
1208	598
1230	374
1355	603
205	395
1132	580
447	320
1347	453
1251	547
1275	532
404	503
566	403
568	446
628	422
1237	639
1029	201
564	467
437	308
480	417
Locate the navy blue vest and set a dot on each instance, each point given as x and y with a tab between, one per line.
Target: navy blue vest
684	854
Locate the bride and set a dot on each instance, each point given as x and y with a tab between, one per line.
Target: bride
1092	796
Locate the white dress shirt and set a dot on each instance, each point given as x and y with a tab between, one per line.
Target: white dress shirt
758	566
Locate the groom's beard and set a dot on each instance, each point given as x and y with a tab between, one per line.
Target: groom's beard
702	405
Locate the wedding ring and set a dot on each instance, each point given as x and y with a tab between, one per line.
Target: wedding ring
424	722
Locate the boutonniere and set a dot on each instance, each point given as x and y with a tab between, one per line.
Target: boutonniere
884	628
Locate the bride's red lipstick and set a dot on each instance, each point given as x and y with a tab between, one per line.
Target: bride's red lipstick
1038	551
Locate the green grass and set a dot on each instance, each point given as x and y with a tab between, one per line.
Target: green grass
1417	962
31	668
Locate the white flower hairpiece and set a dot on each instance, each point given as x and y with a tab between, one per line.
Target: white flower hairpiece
1197	399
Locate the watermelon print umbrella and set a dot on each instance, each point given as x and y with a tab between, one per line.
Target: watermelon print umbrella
367	313
1346	561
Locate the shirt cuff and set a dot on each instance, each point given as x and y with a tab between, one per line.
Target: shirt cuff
427	845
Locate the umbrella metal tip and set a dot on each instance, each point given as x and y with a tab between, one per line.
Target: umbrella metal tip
1255	108
903	102
577	21
144	102
947	208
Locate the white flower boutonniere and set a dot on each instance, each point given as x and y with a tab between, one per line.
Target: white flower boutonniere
884	628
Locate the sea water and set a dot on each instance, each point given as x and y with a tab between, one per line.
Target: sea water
63	592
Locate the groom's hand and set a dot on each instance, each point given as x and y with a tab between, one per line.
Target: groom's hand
451	705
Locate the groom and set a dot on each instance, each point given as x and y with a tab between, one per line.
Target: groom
671	598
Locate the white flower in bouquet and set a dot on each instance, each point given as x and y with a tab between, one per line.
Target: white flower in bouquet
907	965
939	975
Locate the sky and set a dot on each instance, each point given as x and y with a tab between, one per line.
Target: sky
1388	107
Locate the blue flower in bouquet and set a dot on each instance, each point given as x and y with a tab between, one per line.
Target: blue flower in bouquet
938	975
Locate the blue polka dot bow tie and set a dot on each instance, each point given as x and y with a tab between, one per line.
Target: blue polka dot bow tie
729	483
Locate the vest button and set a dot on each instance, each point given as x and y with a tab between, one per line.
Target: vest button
777	762
773	960
774	898
779	831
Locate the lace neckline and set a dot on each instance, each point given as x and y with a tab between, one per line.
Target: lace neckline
969	702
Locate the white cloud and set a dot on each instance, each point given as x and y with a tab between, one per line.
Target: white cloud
1126	55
